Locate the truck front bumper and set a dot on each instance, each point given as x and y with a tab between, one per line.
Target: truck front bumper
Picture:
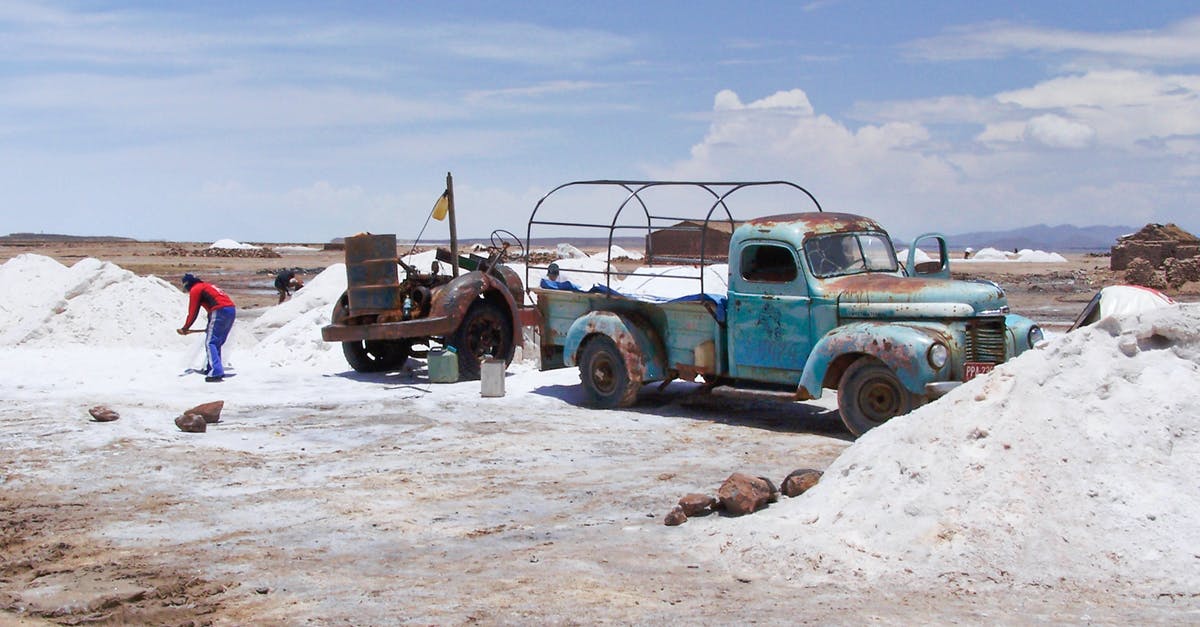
938	389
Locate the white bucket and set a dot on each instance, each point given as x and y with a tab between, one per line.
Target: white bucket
491	377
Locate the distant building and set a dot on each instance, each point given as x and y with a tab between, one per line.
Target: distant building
1155	243
680	242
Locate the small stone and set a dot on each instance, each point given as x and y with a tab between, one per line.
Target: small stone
100	413
676	517
262	590
800	481
743	494
697	504
210	411
191	423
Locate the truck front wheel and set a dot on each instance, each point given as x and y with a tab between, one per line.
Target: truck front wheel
870	394
604	375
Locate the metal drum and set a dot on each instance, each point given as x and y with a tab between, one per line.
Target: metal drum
372	275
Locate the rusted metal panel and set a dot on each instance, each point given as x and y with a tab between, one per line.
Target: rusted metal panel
902	346
638	341
877	288
424	327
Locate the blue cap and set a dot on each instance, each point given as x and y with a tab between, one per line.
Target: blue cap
190	279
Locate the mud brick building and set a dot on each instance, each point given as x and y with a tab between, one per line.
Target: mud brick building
1155	243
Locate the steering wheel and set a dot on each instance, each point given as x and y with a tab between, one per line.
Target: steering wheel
500	238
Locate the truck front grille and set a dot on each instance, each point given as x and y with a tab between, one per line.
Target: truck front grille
985	340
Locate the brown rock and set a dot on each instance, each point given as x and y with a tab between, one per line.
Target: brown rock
100	413
743	494
697	504
675	517
774	490
191	423
210	411
799	481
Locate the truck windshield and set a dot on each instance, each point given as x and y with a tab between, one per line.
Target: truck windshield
839	254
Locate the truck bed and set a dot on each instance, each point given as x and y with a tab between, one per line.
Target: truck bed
690	334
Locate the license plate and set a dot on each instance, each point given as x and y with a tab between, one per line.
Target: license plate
973	369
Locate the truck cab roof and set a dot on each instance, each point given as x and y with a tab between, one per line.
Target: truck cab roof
797	227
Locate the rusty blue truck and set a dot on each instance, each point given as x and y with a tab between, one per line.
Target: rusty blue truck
811	301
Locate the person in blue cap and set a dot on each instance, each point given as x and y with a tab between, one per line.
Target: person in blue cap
221	314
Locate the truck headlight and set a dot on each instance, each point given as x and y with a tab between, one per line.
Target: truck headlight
1035	335
937	355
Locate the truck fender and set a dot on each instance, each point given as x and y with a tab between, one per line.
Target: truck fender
455	298
645	353
902	347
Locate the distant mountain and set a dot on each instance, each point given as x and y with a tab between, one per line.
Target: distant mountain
1061	238
57	237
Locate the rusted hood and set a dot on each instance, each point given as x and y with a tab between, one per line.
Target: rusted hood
883	294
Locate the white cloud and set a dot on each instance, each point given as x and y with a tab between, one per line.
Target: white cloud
1027	164
1122	108
1058	132
1176	43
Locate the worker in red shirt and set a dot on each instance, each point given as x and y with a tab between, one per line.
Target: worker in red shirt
221	314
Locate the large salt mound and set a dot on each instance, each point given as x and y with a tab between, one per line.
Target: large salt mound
1074	464
92	302
290	332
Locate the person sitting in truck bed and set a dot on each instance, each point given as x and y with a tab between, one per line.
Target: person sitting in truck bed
552	282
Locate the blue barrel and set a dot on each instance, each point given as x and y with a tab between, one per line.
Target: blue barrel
372	275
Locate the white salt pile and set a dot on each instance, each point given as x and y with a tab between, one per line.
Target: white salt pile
1074	464
233	244
99	304
616	252
44	303
1025	255
567	251
290	332
675	281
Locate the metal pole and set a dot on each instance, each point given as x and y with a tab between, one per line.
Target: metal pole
453	226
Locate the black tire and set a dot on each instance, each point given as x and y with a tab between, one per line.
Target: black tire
870	394
485	330
371	355
605	376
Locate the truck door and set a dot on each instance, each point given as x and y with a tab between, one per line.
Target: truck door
768	314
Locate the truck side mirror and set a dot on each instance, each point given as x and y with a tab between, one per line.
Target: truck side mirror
938	266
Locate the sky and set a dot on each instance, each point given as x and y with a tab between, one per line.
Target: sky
305	121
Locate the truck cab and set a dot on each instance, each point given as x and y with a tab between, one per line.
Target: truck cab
814	297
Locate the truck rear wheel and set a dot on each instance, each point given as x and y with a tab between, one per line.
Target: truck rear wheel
870	394
371	355
604	374
485	330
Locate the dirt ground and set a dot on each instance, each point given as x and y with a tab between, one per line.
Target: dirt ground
391	504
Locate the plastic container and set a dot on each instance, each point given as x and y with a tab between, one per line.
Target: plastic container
491	377
443	365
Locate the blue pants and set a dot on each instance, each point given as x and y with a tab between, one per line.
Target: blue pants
219	325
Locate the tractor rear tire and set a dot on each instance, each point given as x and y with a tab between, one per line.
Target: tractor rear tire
484	331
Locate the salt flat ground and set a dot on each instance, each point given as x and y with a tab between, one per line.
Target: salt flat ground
328	496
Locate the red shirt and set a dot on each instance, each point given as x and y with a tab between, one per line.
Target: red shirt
205	295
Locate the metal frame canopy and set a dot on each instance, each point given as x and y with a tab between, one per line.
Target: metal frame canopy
718	191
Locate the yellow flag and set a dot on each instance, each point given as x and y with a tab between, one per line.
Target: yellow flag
442	206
